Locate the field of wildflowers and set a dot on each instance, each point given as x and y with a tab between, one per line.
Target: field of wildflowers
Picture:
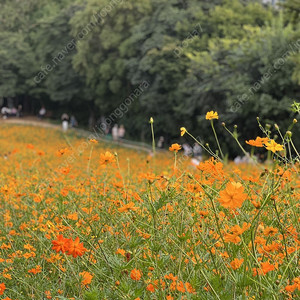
83	220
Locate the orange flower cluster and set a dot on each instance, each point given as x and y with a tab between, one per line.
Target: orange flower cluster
2	288
68	246
267	143
292	287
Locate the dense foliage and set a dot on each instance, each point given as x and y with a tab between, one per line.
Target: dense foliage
241	58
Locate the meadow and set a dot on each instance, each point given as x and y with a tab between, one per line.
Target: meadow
81	219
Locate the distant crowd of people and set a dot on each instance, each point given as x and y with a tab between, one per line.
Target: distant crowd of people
66	120
11	112
118	133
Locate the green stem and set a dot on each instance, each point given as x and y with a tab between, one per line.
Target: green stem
89	163
153	138
216	137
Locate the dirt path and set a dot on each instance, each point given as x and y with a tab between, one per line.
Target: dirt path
84	133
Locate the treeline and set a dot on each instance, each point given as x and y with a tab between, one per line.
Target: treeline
240	58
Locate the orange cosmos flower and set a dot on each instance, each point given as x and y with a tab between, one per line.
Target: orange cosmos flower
37	269
151	288
291	288
258	142
75	248
180	287
86	277
189	288
271	231
175	148
127	207
296	285
267	267
236	263
2	288
121	251
233	196
273	146
171	277
61	152
136	274
211	115
48	294
233	238
106	158
60	244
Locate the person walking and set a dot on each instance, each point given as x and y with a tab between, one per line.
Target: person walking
42	112
114	132
121	132
65	122
161	142
73	121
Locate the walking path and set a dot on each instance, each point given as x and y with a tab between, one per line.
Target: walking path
84	133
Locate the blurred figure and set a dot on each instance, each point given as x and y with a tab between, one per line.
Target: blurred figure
114	132
188	151
65	122
195	162
243	160
161	142
42	112
19	113
73	121
13	112
121	132
9	112
5	111
197	150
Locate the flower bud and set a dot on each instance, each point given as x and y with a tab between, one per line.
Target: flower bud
289	134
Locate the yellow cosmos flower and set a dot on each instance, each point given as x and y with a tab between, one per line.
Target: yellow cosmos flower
211	115
273	146
182	131
93	141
